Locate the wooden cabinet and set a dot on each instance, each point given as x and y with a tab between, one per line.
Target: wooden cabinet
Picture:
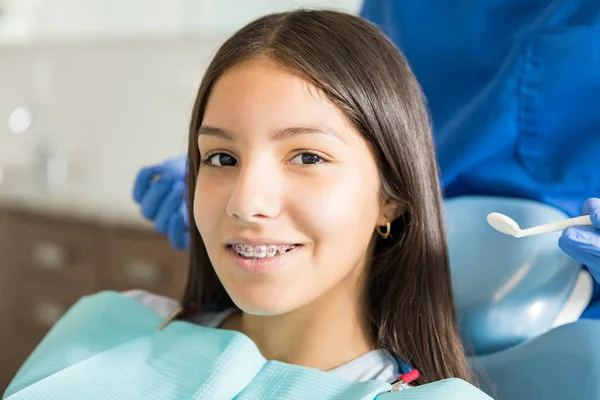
138	260
47	263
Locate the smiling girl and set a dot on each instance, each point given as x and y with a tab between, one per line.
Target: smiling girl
314	190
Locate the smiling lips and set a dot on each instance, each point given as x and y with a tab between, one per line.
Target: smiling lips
262	250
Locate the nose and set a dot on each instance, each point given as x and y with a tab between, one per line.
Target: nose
256	194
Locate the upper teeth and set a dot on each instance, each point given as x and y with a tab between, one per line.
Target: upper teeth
262	250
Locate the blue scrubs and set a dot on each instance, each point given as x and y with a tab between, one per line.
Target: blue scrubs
513	88
514	91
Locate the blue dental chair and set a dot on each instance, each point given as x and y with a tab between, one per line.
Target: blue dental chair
518	302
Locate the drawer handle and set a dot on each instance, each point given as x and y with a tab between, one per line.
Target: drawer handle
143	272
47	313
50	256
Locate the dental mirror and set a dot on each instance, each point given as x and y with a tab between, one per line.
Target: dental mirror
508	226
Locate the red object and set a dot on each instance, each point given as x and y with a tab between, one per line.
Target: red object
190	310
410	376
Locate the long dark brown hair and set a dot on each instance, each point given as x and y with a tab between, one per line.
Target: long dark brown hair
410	302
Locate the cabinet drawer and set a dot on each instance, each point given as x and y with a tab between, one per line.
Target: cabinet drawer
33	311
13	355
144	260
29	316
54	253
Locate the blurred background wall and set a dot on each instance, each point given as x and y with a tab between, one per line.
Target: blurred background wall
91	91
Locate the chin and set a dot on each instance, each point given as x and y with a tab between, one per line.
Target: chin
271	293
260	300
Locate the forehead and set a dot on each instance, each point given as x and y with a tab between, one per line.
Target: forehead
261	94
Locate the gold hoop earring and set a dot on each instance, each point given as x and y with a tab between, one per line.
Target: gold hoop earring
386	234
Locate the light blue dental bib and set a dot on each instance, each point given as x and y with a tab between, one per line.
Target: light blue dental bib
107	347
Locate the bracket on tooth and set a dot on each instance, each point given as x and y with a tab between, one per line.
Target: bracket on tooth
261	251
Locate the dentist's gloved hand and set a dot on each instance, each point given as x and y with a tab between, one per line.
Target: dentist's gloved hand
160	192
583	242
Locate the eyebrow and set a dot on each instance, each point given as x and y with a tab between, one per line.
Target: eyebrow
280	134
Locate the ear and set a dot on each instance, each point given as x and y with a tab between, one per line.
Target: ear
389	210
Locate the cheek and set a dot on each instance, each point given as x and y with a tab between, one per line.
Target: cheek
342	209
206	210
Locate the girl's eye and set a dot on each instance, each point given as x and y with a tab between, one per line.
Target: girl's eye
307	158
220	160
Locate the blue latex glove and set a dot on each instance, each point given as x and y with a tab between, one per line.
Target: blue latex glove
160	192
583	242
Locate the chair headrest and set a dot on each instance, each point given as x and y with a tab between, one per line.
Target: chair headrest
559	364
506	290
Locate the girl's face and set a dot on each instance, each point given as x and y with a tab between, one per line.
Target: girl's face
288	193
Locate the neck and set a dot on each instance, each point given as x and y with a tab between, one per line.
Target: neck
324	334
